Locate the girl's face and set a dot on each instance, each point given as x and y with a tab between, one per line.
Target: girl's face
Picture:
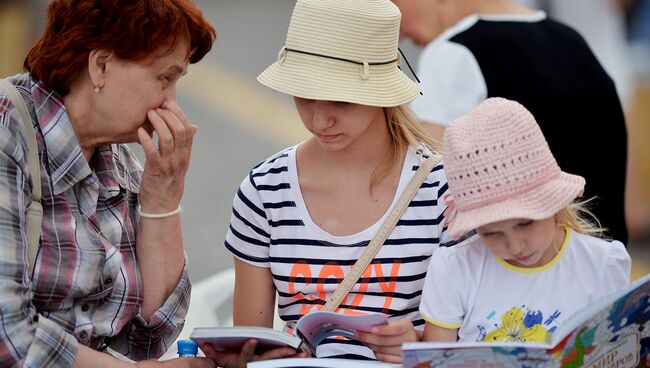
336	125
522	242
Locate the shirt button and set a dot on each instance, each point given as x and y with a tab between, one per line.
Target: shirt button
84	308
83	334
108	281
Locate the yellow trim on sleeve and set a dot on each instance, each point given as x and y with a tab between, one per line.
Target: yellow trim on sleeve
542	268
450	326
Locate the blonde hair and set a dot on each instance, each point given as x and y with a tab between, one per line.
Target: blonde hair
405	130
579	217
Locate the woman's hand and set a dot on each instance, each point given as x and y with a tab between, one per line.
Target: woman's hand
163	180
178	363
229	359
386	341
159	241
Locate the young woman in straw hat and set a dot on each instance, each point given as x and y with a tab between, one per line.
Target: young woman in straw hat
534	262
303	217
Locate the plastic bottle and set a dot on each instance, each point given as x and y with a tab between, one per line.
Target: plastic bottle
187	349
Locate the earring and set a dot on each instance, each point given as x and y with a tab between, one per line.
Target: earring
96	89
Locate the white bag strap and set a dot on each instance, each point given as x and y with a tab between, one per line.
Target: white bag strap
386	228
35	211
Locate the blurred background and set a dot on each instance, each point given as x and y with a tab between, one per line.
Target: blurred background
241	123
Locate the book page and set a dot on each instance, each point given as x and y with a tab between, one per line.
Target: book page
232	338
317	326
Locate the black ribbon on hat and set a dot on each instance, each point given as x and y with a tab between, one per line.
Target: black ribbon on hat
359	62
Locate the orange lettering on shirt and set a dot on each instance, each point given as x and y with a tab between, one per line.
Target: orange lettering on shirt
330	269
387	287
301	268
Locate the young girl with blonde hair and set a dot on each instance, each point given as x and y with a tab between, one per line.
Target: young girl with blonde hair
534	262
303	217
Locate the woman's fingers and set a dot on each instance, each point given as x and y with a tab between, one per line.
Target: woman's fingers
191	128
386	341
165	138
397	328
173	107
394	333
389	358
386	349
277	353
178	129
221	358
247	353
192	363
146	140
208	350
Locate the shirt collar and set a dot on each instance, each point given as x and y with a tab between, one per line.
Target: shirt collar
126	169
68	165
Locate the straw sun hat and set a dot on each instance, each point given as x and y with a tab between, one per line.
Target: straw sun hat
342	50
499	167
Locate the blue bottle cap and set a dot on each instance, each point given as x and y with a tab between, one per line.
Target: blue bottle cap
187	348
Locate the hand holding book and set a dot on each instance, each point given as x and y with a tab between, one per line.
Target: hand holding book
386	341
247	353
242	343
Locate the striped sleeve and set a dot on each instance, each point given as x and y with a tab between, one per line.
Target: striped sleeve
248	235
441	209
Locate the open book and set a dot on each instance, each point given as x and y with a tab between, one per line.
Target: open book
614	332
310	330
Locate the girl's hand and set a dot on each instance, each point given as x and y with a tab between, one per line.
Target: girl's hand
178	363
386	341
230	359
163	180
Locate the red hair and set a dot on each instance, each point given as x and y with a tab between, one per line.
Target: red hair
132	30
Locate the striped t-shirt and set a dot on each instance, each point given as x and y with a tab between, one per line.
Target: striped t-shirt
270	227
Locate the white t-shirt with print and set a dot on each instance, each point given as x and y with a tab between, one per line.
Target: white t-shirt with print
488	299
271	227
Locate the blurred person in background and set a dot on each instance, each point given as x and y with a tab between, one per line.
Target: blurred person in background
475	49
638	199
601	23
110	270
618	31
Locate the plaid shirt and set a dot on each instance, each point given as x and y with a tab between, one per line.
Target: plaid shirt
86	287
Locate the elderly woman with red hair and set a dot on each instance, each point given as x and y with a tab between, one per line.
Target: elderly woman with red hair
110	266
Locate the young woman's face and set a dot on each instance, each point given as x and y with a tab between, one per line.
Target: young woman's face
336	125
131	89
522	242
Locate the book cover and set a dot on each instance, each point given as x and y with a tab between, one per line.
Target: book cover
310	331
320	363
613	332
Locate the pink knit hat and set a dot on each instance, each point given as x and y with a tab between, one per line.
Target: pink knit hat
500	167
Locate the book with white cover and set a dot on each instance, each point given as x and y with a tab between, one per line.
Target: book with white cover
310	331
319	363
